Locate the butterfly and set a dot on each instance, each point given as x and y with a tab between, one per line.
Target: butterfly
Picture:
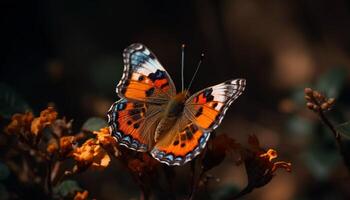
152	116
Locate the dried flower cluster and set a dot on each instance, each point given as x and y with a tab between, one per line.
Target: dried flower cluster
316	101
51	139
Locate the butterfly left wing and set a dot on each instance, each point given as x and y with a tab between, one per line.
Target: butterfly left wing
144	78
133	124
145	88
207	107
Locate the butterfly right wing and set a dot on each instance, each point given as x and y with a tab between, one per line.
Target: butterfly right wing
181	144
133	124
207	107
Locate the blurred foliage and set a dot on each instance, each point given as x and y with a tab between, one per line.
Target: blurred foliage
344	129
321	161
299	125
4	171
66	188
103	73
11	102
224	192
94	124
4	195
332	82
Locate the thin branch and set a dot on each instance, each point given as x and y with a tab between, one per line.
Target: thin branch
195	182
326	121
317	108
48	178
55	170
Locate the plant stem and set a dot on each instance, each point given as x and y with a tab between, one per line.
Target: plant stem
196	185
55	171
342	149
195	182
48	178
328	123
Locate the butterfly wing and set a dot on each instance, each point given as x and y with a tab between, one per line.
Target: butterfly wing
181	144
144	79
127	121
203	112
207	107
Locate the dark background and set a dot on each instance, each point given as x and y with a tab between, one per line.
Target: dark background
69	53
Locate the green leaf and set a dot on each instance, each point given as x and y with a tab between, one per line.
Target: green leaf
4	171
94	124
332	82
344	129
11	102
225	192
66	188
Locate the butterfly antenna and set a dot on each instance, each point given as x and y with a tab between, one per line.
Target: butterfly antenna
182	66
195	73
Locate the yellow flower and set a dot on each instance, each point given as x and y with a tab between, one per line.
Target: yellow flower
46	117
20	123
81	195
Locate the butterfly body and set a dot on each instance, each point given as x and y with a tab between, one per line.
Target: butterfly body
173	110
151	116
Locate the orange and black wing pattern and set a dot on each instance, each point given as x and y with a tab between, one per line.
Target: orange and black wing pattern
180	145
127	123
144	78
203	112
207	107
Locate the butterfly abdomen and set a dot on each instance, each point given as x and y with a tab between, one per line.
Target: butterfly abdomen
171	114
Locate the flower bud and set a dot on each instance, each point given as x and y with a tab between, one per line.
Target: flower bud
308	91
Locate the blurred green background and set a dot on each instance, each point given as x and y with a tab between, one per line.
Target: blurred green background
69	54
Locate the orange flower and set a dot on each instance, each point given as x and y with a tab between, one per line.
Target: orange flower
52	147
81	195
272	154
46	117
20	123
143	164
104	137
66	145
259	164
91	154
